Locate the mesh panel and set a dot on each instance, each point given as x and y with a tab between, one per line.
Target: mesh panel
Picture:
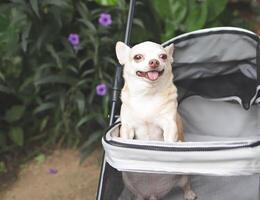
205	187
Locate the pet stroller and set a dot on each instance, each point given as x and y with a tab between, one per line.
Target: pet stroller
217	73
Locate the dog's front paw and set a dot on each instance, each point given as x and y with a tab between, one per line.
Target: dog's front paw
126	132
170	132
170	137
190	195
153	197
139	198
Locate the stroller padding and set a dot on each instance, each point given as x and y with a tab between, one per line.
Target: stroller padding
209	120
222	86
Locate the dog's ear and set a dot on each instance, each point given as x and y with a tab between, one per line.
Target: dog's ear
122	52
170	50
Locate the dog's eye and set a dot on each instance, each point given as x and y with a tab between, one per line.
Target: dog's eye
163	56
138	57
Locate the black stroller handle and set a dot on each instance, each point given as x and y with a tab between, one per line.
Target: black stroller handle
129	22
117	86
258	60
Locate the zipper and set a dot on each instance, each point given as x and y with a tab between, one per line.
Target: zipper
181	149
235	145
232	146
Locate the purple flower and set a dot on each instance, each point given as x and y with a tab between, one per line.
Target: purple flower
105	19
53	171
74	39
101	89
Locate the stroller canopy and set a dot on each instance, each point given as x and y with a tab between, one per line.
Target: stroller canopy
222	62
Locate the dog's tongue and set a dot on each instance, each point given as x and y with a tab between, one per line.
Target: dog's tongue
152	75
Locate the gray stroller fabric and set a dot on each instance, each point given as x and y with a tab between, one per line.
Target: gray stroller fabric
208	120
215	54
214	120
217	65
214	188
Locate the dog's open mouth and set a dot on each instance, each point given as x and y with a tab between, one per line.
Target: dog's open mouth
150	75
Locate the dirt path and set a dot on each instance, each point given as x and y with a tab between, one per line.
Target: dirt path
59	177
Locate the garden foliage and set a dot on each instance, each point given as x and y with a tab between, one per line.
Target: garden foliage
57	62
54	53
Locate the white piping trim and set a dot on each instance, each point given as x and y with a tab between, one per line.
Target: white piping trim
258	99
235	98
230	98
207	30
234	143
241	161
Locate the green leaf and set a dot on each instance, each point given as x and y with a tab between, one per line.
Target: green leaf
90	26
162	9
173	14
82	62
14	113
5	89
87	147
2	76
106	106
25	36
171	9
107	40
83	11
109	60
83	82
44	123
139	23
73	69
80	99
3	23
16	135
62	102
2	167
27	82
86	119
58	3
54	54
197	15
107	2
44	107
40	158
88	72
215	8
51	79
35	7
2	139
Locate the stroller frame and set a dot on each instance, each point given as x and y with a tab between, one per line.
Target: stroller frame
117	86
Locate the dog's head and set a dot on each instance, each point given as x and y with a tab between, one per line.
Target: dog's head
147	61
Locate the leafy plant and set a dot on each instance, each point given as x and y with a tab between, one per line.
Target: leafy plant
187	15
2	167
40	158
47	83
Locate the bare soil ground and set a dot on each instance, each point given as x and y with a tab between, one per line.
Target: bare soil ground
71	181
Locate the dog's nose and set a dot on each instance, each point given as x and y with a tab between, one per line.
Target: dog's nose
154	63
